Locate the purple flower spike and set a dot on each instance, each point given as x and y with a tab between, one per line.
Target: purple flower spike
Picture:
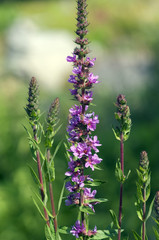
83	147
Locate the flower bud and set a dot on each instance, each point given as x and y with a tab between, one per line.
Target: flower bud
52	120
32	109
156	205
144	162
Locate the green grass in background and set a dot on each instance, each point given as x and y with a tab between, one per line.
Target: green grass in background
121	24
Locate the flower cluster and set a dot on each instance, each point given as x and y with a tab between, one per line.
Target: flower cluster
83	146
79	230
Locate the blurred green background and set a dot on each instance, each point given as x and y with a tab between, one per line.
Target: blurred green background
124	37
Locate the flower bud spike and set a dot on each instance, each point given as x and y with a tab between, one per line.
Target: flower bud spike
144	162
52	120
32	108
156	205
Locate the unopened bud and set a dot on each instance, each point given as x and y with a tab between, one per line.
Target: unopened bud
144	162
156	205
32	106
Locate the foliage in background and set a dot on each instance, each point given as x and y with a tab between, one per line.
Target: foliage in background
141	31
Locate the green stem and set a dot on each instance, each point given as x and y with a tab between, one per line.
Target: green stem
144	215
52	196
40	175
121	185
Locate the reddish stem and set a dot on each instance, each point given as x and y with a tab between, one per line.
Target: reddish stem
144	215
40	176
121	185
52	197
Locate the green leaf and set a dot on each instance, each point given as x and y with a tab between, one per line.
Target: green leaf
116	134
86	209
136	236
118	172
139	192
35	177
48	212
156	233
64	230
128	174
37	206
60	199
114	218
148	191
100	235
140	215
97	167
110	231
150	209
157	222
36	147
95	183
49	171
98	200
49	232
56	150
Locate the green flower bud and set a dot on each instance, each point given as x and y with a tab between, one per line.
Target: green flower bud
32	108
156	205
123	117
52	120
144	162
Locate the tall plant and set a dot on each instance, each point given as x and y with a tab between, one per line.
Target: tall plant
83	145
45	161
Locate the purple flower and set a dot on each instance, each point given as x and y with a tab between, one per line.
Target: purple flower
75	110
92	160
90	62
88	194
73	91
78	229
77	70
91	122
94	143
92	79
72	79
73	198
80	150
88	96
71	59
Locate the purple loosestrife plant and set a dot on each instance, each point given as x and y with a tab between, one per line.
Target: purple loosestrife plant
83	147
143	194
46	170
121	132
33	113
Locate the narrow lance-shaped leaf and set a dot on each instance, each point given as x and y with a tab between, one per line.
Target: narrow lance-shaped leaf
48	212
61	197
150	209
35	177
114	218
